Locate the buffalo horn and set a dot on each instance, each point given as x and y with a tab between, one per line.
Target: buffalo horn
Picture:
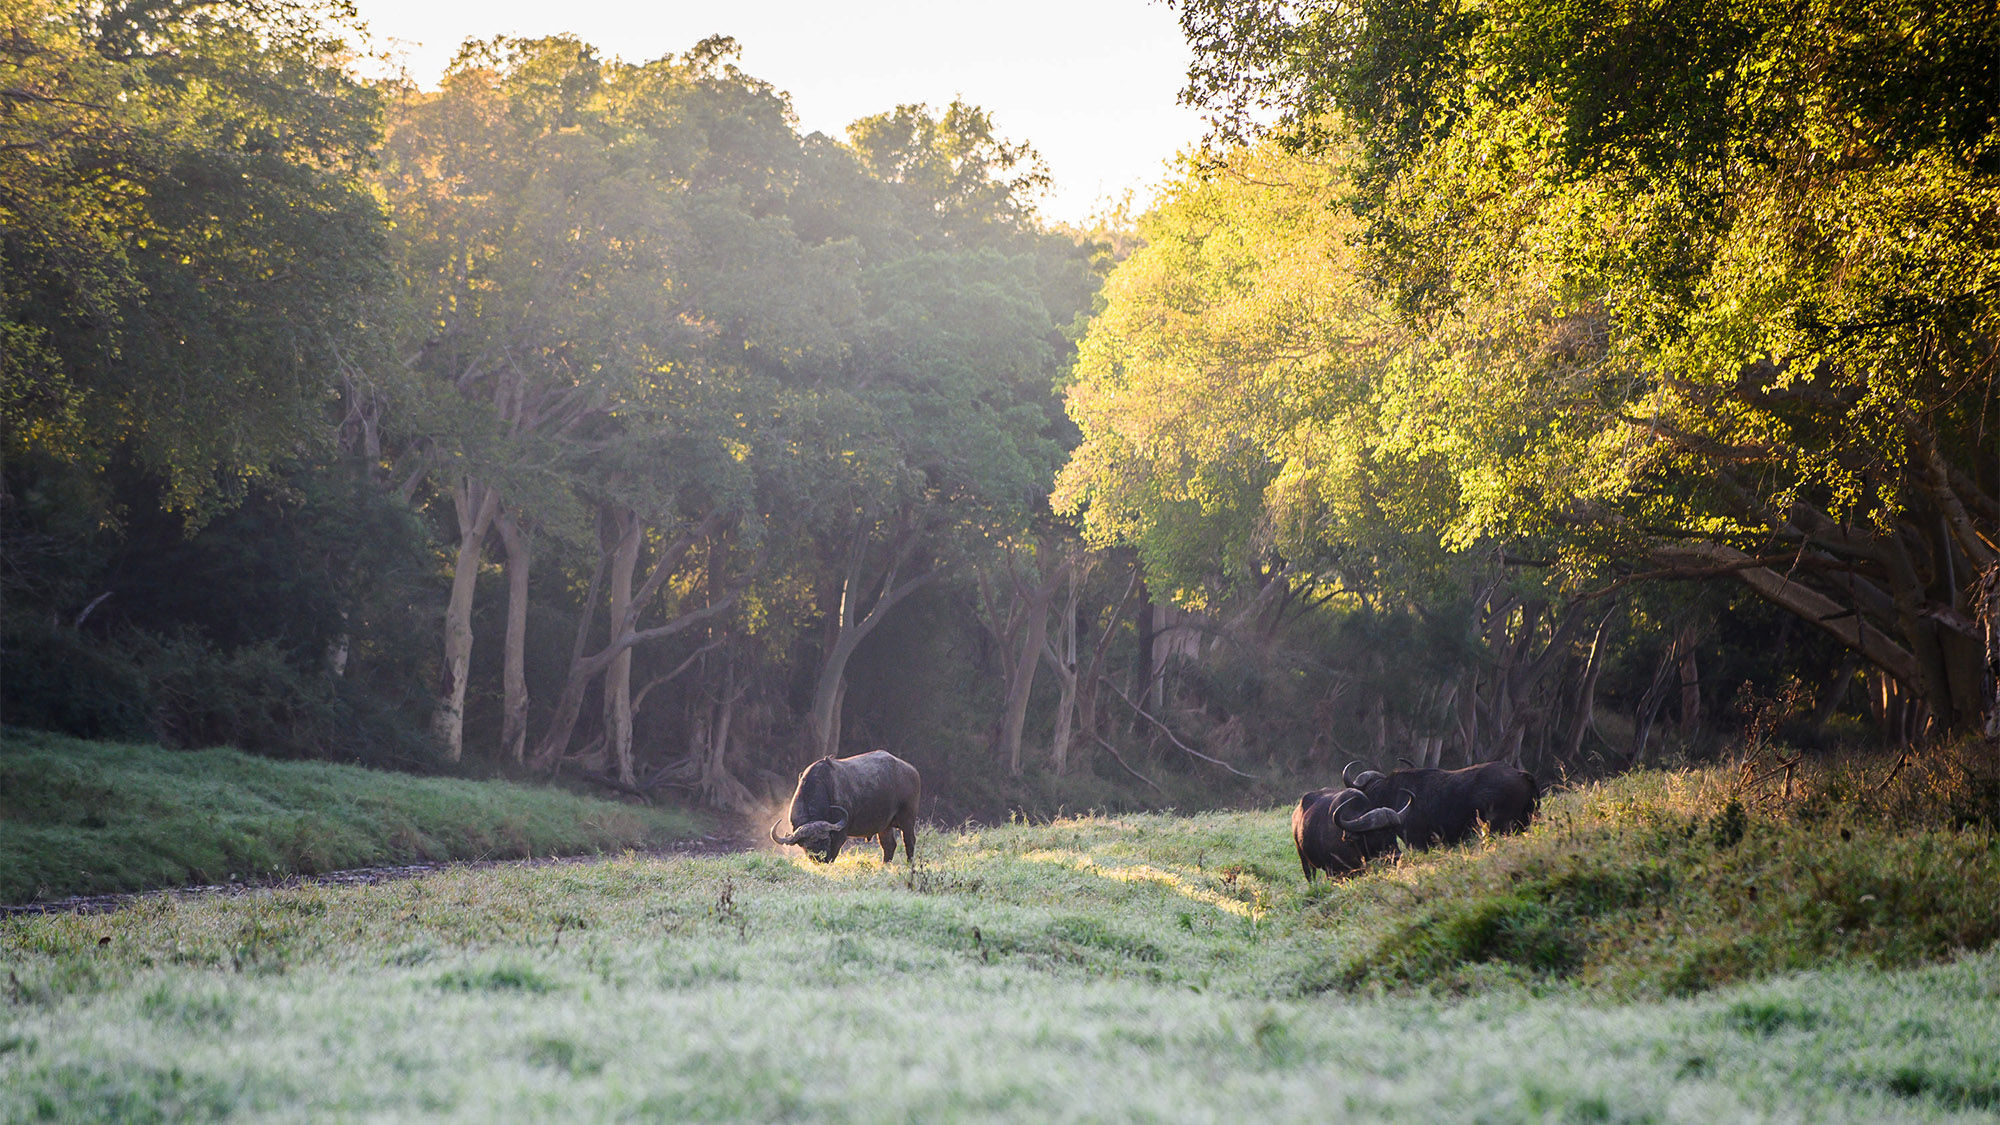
841	824
1366	778
1371	821
1347	773
791	839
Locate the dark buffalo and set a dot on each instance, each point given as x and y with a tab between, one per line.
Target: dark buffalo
872	794
1446	806
1335	830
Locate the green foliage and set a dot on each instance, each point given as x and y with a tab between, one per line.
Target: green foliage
639	294
85	817
960	180
1224	390
182	691
1677	286
59	679
191	259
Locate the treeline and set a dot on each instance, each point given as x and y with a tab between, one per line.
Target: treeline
581	416
1633	364
581	413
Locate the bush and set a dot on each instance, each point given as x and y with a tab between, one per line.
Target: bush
57	679
183	692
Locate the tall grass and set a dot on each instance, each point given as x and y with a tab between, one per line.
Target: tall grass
81	817
1675	882
1132	968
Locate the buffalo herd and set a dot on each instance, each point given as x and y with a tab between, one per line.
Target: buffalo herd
1335	830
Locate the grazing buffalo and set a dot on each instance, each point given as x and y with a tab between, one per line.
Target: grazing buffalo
1446	806
872	794
1335	831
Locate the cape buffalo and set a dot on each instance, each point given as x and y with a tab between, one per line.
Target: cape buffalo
1446	806
872	794
1335	830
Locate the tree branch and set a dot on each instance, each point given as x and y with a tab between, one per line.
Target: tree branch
1185	748
1120	758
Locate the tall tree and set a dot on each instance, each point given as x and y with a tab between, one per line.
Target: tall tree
190	259
585	241
1702	289
939	434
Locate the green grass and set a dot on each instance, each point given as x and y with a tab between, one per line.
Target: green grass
81	817
1146	967
1673	883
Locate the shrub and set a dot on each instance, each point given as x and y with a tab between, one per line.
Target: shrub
184	692
61	680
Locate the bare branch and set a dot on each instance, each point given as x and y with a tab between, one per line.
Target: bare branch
1185	748
1120	758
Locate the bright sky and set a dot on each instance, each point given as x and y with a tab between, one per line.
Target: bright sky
1090	83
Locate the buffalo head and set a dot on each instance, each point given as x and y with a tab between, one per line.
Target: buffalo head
821	839
1360	780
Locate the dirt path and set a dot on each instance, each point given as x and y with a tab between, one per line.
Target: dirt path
723	841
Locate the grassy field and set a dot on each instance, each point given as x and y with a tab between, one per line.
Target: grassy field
81	817
1151	967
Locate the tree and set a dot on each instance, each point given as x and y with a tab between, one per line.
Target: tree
584	241
938	435
1699	291
959	181
190	260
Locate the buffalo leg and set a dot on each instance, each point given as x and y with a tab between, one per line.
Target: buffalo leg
888	844
910	840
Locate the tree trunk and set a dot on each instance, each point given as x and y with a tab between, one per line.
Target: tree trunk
622	635
717	787
1586	708
1835	691
1028	618
827	693
1989	624
1690	686
1021	683
514	706
1468	717
1650	703
475	504
850	627
1840	622
618	674
1064	661
1143	663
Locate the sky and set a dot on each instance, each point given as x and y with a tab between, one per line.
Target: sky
1091	84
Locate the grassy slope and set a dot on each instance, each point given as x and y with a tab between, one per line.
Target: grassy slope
84	817
1139	968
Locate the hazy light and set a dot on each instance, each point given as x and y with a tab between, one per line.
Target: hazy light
1090	83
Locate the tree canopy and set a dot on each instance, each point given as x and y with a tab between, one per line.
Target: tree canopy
190	259
1696	289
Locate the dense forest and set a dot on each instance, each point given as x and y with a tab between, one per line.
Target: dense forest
1496	385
